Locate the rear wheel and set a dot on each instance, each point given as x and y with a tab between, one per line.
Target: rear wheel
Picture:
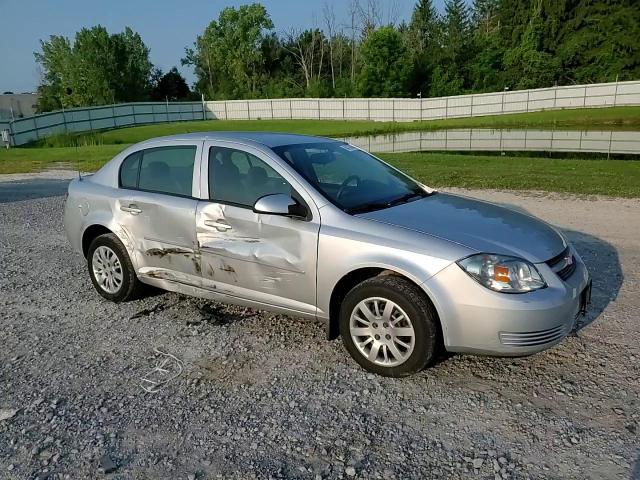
111	270
389	326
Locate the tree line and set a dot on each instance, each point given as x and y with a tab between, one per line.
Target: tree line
488	46
99	68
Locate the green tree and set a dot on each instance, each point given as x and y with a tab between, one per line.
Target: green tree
424	25
423	41
385	64
279	69
456	32
227	57
527	64
600	42
308	51
445	82
493	45
92	68
484	16
342	48
514	16
170	86
486	69
55	61
131	78
96	69
453	65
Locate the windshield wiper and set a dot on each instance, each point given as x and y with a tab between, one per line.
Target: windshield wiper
371	206
367	207
407	197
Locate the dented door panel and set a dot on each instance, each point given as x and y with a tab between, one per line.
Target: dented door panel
266	258
163	235
262	258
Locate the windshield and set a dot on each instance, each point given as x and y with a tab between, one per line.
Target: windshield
349	178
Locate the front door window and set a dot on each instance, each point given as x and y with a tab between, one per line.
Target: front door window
240	178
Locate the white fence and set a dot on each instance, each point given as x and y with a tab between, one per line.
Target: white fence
30	129
411	109
502	140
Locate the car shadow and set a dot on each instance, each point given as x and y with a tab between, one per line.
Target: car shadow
603	263
32	189
604	267
635	475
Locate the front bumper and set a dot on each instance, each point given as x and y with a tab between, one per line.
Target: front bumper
478	320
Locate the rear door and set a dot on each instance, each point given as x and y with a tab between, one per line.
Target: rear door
266	259
157	208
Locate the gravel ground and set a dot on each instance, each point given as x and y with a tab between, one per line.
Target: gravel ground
266	396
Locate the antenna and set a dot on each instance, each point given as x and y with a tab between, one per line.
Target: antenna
77	159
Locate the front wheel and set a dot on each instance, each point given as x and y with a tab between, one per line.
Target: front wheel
111	270
389	326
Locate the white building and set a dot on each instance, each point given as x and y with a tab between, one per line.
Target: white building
17	105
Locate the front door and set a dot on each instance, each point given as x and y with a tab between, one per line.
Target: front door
266	259
157	212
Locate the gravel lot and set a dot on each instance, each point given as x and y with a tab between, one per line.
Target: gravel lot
265	395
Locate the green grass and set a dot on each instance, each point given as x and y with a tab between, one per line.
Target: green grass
620	178
24	160
514	172
618	118
617	178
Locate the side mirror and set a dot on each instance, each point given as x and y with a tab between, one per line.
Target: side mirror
280	204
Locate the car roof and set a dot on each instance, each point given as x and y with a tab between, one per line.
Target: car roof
268	139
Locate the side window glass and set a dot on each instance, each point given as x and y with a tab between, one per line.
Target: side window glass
240	178
129	171
168	170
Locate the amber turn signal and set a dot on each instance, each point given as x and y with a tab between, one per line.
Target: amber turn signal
501	274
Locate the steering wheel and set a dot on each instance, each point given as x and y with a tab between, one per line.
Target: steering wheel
345	183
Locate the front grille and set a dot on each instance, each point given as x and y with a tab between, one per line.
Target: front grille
531	339
563	264
568	270
558	258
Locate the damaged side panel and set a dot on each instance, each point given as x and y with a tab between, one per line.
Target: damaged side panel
266	258
162	236
97	206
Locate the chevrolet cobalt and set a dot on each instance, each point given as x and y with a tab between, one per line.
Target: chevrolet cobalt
320	229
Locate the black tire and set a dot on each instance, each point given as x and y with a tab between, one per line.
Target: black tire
131	287
414	303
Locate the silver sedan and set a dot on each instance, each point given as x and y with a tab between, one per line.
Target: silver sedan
318	228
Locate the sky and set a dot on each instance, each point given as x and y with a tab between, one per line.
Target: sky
167	27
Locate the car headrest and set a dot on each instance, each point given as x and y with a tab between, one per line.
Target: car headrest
257	176
321	158
159	169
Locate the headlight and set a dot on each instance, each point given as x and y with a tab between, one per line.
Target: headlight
502	273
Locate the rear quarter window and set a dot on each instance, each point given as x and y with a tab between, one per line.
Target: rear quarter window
129	171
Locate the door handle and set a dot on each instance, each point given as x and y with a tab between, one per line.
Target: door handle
132	209
220	225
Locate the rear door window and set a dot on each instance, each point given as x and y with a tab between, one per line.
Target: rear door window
167	170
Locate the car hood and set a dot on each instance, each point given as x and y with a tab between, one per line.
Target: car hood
478	225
